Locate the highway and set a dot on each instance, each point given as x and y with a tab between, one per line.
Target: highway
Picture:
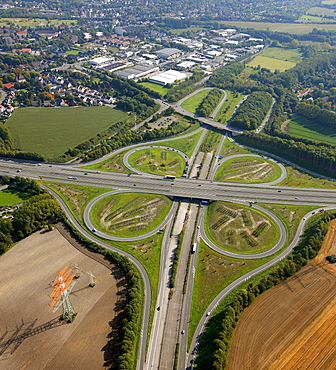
192	189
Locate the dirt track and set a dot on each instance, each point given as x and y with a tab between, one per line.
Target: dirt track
291	326
31	336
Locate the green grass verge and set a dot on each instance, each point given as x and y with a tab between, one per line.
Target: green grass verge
11	197
130	214
50	131
213	273
186	145
230	148
225	113
76	196
158	161
114	163
192	29
302	127
271	63
194	101
301	179
155	87
248	170
240	235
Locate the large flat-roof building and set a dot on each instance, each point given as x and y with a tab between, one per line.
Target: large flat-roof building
168	53
136	71
100	61
167	77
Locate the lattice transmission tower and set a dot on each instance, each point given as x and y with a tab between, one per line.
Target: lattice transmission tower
63	285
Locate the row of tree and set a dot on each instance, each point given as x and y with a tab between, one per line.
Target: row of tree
252	111
306	250
209	103
177	92
125	138
224	77
36	212
130	324
320	116
319	158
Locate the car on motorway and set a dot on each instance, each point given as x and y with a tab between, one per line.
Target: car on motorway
296	198
182	332
279	191
159	308
18	170
94	230
304	218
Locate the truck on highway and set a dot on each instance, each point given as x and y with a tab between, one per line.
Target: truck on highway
170	177
193	250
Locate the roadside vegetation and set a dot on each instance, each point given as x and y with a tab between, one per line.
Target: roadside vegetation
191	104
228	106
130	214
248	169
239	228
158	161
301	179
186	145
209	103
231	148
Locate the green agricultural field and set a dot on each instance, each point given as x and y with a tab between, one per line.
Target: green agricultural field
11	197
302	127
271	63
194	101
186	145
320	11
155	87
248	169
130	214
225	113
52	131
313	19
295	28
239	228
289	55
158	161
35	22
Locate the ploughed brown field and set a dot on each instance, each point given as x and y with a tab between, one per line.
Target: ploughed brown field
31	335
293	325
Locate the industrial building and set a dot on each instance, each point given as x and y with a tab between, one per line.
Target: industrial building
100	61
136	71
167	77
168	53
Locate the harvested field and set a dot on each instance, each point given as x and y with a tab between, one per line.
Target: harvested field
31	335
291	326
